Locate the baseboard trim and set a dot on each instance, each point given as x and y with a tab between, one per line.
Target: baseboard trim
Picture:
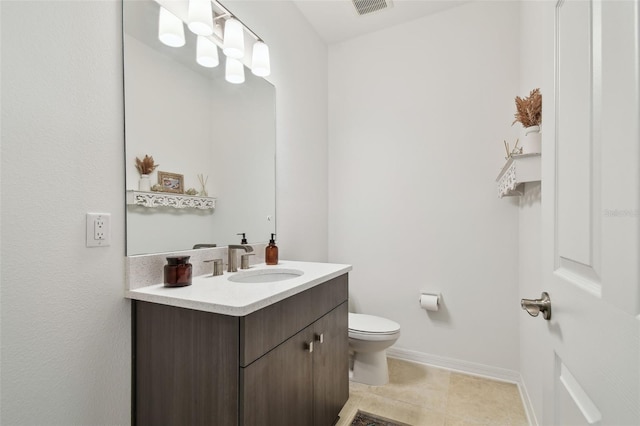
470	368
526	401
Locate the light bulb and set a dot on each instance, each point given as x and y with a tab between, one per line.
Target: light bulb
260	64
206	53
233	39
234	71
200	17
170	29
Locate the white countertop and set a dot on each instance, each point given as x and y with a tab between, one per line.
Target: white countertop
221	296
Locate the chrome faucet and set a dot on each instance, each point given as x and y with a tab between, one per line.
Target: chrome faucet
233	258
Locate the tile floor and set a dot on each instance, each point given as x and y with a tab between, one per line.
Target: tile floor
421	395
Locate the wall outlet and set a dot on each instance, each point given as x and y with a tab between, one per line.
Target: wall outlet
98	229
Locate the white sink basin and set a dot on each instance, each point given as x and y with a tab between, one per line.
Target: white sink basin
265	275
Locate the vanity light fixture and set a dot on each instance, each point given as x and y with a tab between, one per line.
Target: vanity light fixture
215	27
233	39
170	29
206	53
260	64
234	71
200	17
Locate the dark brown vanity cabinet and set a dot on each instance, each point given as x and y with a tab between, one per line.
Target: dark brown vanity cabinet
285	364
300	382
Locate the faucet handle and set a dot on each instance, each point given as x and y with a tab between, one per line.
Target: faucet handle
244	260
218	266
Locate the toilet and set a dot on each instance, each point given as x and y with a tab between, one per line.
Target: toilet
369	337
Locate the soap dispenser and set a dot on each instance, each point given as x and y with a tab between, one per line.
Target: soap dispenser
271	252
244	238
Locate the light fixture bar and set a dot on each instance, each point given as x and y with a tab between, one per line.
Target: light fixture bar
217	17
222	16
231	15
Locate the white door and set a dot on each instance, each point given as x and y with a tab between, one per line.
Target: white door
591	216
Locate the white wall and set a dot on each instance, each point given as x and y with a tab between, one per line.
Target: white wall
418	113
66	342
65	325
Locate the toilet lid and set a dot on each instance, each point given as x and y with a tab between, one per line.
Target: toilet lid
372	324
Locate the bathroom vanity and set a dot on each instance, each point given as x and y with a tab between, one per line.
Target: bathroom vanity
243	353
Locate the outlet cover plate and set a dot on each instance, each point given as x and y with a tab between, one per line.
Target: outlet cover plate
98	229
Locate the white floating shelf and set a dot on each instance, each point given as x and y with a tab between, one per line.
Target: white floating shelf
168	199
519	170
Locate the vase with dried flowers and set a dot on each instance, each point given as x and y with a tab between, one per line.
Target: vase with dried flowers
529	114
145	167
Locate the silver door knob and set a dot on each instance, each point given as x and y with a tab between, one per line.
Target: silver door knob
535	306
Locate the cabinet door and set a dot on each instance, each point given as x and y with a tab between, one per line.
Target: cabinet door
186	367
277	388
330	365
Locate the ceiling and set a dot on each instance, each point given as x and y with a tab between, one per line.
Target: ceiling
337	20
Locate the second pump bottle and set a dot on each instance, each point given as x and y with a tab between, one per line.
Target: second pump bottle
271	252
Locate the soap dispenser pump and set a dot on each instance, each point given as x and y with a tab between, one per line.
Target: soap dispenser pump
271	252
244	238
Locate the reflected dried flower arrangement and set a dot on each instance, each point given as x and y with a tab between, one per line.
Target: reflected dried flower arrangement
146	165
529	110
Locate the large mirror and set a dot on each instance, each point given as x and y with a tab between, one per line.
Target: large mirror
193	122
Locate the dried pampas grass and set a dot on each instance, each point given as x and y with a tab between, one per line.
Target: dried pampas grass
146	165
529	110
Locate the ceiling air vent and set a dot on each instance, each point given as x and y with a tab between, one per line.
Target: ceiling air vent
367	6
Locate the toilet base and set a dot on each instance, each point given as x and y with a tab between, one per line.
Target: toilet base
370	368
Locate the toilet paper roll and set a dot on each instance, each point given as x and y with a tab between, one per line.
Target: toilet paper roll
430	302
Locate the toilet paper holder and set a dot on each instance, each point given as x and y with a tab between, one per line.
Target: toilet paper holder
430	301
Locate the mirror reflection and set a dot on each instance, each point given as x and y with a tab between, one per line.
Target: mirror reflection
193	122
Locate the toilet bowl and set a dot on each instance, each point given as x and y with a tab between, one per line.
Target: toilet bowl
369	337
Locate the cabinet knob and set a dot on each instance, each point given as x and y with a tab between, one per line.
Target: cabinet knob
308	347
320	337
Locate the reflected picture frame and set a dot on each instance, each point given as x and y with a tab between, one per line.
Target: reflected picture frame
171	182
